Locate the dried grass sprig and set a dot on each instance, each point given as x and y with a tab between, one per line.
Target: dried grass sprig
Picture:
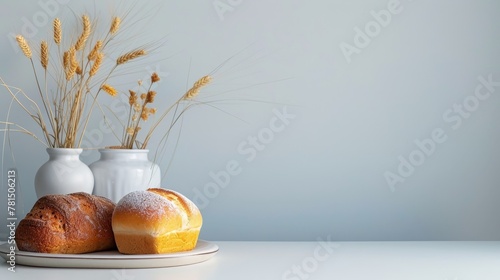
36	115
19	129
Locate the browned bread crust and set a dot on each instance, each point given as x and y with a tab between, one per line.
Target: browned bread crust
67	224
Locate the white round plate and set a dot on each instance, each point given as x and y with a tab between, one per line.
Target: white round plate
113	259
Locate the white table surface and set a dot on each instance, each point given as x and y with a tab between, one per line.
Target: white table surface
311	260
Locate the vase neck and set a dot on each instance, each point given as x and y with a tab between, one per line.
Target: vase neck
68	153
124	154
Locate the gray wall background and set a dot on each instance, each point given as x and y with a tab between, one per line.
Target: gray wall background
353	117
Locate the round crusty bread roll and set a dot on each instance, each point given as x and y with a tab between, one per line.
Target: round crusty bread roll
155	221
67	224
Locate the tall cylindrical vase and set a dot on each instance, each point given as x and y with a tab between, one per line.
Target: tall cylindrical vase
63	173
121	171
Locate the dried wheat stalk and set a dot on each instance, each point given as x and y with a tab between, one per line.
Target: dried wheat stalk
129	56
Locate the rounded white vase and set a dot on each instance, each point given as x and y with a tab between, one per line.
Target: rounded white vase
122	171
63	173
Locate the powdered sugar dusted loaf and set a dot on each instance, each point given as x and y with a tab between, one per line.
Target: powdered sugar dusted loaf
156	221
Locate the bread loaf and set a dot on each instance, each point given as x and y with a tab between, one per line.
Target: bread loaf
67	224
156	221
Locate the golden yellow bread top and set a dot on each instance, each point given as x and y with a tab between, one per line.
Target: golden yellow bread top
155	212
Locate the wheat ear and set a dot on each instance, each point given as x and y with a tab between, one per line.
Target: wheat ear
95	50
97	64
24	46
70	63
115	25
129	56
109	90
85	33
66	60
44	54
57	31
193	92
79	70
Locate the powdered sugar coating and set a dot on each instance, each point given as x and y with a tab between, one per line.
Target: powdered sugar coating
190	214
191	206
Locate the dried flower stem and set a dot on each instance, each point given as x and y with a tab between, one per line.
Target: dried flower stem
138	111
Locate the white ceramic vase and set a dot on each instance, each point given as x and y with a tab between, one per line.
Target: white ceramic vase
63	173
121	171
